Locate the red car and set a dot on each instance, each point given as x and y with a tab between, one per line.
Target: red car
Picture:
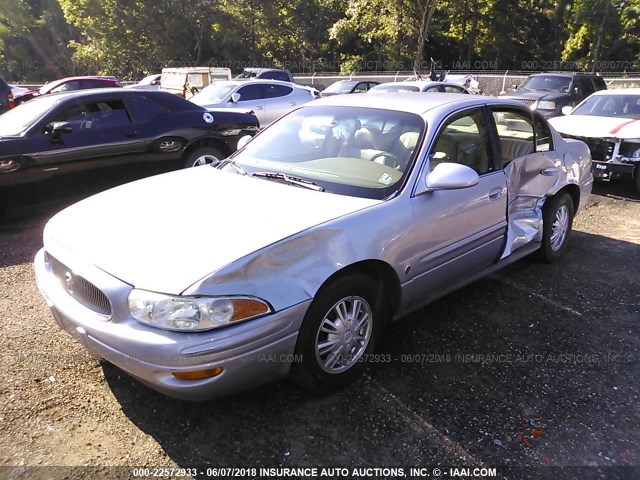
67	84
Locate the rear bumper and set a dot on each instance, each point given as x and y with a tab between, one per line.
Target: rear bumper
251	353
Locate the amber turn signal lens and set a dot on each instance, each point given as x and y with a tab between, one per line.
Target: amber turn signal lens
198	374
244	308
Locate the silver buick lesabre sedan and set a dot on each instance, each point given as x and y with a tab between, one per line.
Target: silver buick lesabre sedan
293	255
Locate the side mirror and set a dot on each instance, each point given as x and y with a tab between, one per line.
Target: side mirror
451	176
515	87
56	129
235	97
567	109
242	142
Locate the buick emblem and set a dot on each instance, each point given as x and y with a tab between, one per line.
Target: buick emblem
68	281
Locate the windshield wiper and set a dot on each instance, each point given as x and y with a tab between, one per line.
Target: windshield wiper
300	182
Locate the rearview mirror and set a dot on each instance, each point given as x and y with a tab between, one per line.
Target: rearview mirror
235	97
451	176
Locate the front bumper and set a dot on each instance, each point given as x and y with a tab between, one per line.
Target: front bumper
250	353
607	171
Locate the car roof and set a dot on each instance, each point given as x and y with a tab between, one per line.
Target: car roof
86	77
413	102
256	80
54	83
91	94
565	74
418	83
618	91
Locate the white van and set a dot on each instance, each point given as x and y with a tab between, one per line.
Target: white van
188	81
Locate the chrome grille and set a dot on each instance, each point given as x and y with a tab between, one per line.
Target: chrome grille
526	101
81	289
600	149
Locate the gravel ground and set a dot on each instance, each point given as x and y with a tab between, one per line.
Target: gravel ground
537	365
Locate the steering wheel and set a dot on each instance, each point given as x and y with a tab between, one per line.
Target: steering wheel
390	160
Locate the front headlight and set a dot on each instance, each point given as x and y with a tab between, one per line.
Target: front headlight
193	314
544	105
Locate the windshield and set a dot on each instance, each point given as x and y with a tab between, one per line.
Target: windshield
340	87
363	152
396	87
17	120
214	93
552	83
626	106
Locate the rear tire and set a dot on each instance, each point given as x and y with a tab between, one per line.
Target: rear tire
203	156
339	330
557	215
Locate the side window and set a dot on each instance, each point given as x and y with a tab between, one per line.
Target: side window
437	88
281	76
464	139
453	89
95	116
93	84
544	140
250	92
361	88
144	109
515	133
74	85
584	85
599	83
273	91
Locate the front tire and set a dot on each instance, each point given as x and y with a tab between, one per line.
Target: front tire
338	332
557	217
203	156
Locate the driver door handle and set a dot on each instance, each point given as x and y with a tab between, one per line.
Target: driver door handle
496	193
549	171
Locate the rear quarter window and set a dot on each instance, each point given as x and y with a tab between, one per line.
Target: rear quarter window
144	109
599	83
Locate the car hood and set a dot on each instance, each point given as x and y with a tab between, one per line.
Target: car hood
166	232
597	127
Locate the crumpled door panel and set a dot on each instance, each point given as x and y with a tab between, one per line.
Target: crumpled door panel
530	179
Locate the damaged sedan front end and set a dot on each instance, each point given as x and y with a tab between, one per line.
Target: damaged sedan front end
609	123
